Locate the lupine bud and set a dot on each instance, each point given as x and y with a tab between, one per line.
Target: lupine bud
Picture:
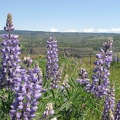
9	24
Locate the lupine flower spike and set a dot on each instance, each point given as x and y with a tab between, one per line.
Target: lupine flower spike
10	54
27	92
52	63
100	80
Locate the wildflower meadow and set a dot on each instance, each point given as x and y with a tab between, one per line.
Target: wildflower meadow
55	87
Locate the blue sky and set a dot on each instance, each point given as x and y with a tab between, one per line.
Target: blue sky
62	15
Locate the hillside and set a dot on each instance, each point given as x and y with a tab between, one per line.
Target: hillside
72	43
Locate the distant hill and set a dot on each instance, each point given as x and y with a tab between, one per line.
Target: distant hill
81	42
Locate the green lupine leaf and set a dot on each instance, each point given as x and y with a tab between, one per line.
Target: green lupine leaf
75	96
68	93
53	94
63	106
71	84
68	105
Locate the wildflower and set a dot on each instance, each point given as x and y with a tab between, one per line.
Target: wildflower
84	79
52	63
100	80
27	92
10	54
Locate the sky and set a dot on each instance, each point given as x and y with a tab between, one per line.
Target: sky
62	15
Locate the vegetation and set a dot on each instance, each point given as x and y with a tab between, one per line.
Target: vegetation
73	44
35	88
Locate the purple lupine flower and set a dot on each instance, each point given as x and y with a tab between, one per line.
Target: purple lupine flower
10	54
117	111
27	92
84	79
100	80
109	106
52	63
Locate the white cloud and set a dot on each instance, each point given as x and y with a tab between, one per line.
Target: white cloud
70	30
115	29
89	30
54	30
112	30
30	29
103	30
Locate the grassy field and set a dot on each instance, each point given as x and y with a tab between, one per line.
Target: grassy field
93	107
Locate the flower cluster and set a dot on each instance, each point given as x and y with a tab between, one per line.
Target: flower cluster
27	92
10	54
52	63
100	80
109	106
84	81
